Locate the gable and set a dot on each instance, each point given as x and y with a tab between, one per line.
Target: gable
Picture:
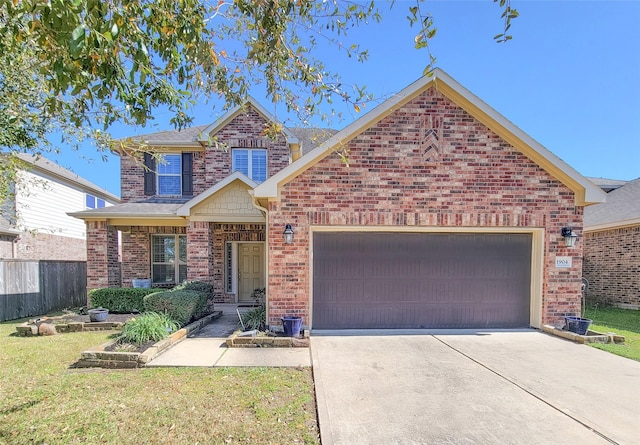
426	159
584	191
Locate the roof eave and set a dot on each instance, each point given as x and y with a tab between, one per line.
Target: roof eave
612	225
235	111
586	193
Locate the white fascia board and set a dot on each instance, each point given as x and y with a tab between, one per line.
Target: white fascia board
593	193
235	111
269	189
185	210
173	144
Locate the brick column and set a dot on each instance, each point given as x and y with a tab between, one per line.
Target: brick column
199	251
102	255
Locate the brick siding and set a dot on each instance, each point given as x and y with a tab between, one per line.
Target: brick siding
44	246
6	247
612	266
214	164
102	255
465	177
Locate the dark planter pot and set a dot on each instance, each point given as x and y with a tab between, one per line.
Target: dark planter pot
577	325
99	314
292	326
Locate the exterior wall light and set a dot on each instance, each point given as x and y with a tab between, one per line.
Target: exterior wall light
569	236
288	234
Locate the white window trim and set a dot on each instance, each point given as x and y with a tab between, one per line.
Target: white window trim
158	174
176	276
250	161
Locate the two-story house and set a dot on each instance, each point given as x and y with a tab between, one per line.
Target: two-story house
186	213
447	215
34	224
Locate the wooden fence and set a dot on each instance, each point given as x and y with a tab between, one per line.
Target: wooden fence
29	288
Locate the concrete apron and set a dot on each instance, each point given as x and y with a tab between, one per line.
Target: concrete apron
472	387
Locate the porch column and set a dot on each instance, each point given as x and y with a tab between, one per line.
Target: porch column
199	251
102	255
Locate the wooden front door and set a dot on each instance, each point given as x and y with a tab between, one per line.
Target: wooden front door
250	270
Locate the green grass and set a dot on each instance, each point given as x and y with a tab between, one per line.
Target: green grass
42	400
621	321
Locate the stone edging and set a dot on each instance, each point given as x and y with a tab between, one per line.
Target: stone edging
592	337
97	357
236	340
27	329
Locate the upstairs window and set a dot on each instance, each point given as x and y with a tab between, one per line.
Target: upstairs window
250	162
91	202
170	175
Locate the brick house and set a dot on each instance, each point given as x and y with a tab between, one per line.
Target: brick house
612	245
447	215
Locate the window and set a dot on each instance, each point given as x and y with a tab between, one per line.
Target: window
92	202
251	162
168	259
228	263
170	175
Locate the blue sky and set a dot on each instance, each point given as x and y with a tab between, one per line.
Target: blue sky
570	77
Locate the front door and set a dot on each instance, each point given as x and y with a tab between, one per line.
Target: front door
250	270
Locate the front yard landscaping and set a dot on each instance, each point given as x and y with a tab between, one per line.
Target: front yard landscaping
621	321
42	400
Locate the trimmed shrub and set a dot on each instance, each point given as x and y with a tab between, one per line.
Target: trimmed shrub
204	288
180	305
198	286
119	299
147	327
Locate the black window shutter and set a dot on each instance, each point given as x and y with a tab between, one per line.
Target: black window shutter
149	175
187	174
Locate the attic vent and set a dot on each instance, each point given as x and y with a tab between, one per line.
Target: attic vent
430	128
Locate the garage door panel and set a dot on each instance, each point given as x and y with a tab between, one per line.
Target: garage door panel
401	280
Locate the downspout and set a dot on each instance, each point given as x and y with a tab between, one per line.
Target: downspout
264	211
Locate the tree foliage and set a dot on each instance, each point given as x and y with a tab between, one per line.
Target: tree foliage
79	66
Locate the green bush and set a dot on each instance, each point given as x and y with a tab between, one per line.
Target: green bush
180	305
198	286
204	288
147	327
119	299
255	319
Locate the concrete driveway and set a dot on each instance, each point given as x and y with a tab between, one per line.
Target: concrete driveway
464	387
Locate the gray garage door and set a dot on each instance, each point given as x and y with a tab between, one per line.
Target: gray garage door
416	280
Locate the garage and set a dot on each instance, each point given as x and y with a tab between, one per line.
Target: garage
391	280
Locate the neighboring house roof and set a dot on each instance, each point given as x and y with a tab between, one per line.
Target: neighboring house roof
310	138
621	209
51	168
607	184
6	227
586	192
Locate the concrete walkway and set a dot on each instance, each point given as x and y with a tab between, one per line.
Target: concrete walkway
207	348
472	388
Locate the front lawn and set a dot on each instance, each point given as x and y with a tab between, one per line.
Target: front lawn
621	321
43	401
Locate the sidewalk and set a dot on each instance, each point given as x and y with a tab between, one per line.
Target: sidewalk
207	348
